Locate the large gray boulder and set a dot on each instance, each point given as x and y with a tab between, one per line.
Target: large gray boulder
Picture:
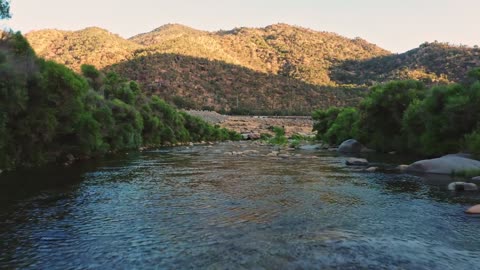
444	165
350	146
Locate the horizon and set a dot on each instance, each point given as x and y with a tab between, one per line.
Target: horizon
403	26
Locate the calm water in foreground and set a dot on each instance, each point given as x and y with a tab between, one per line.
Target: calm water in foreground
197	208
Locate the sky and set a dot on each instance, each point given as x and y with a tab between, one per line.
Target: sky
394	25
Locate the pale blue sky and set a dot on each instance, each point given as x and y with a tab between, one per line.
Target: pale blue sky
396	25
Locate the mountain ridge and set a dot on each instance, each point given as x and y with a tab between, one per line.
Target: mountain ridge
293	57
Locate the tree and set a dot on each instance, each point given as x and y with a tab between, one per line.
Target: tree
4	9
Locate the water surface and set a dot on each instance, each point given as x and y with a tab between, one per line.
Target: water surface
195	207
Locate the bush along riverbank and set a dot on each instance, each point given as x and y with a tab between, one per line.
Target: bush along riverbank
406	117
48	113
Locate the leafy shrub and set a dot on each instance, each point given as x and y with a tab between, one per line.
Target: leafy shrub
343	128
279	138
381	114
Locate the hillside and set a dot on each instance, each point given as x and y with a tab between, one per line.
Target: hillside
279	67
431	62
94	46
197	83
280	49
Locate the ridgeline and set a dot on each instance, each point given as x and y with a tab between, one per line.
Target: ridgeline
279	69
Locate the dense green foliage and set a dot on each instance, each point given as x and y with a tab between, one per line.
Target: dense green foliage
4	9
49	113
404	116
381	113
335	125
279	138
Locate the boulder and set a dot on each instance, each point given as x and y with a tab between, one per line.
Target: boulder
254	136
402	167
350	146
357	162
371	169
474	209
464	155
444	165
462	186
476	178
250	136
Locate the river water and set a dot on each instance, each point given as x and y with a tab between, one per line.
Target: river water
194	207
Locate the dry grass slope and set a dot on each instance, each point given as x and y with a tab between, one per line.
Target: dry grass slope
279	67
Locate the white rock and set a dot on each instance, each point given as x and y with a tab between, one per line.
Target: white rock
474	209
357	162
371	169
462	186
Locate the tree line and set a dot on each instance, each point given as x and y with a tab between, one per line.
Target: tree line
48	113
406	116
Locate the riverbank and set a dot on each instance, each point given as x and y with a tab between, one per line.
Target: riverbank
301	125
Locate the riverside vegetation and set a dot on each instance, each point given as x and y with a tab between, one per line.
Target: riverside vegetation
408	117
49	113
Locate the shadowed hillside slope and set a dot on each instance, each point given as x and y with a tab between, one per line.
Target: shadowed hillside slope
198	83
293	51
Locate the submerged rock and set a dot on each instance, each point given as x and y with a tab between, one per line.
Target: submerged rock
474	209
371	169
444	165
357	162
462	186
310	147
350	146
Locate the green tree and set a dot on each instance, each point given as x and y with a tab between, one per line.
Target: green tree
381	114
4	9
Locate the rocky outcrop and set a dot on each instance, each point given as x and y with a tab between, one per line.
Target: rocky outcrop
448	164
350	146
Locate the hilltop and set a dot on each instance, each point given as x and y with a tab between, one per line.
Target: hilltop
93	45
276	68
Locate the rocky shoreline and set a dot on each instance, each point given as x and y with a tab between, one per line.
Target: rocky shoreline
301	125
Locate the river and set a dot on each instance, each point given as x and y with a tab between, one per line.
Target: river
194	207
